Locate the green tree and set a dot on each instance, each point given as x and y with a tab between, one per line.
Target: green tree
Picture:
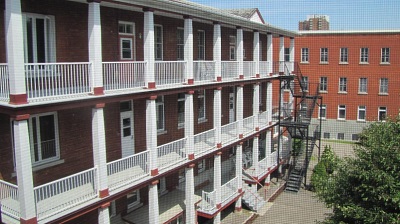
366	188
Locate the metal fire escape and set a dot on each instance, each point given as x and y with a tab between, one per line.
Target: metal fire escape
295	120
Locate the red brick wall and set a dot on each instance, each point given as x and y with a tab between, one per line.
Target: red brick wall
6	156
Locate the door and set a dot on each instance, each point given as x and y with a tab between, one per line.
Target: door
127	135
232	105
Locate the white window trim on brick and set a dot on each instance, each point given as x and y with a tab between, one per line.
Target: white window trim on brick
364	55
341	108
362	109
363	86
385	55
383	86
305	55
344	55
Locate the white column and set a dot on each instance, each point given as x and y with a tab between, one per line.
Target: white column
189	124
217	184
217	117
153	203
270	57
217	51
23	165
103	215
95	46
256	52
188	49
189	195
238	173
269	102
148	45
268	154
255	156
151	134
239	51
281	53
239	110
292	54
256	105
15	51
99	148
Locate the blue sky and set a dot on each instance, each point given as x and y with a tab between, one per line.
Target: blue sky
344	14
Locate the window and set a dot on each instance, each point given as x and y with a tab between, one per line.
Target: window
355	137
201	166
327	135
181	109
304	55
180	44
361	113
342	112
162	186
385	55
43	136
322	111
232	48
342	84
340	136
125	28
382	113
324	55
344	55
201	105
384	86
126	31
126	48
158	45
287	54
363	85
201	45
305	83
132	199
323	86
160	113
39	38
181	175
364	55
261	50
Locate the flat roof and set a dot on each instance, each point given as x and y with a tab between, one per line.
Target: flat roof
338	32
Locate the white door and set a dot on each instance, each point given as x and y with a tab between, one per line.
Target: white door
127	135
232	106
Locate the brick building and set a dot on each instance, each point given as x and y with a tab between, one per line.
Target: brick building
142	111
315	22
358	72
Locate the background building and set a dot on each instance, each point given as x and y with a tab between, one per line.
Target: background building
315	22
358	72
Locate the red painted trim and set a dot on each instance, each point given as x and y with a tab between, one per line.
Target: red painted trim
17	99
21	117
270	123
154	172
219	145
255	178
192	165
98	91
190	81
154	97
100	105
105	205
28	221
219	79
257	128
151	85
240	190
191	156
270	74
241	76
155	182
267	184
103	193
257	75
238	209
218	205
240	135
218	153
191	92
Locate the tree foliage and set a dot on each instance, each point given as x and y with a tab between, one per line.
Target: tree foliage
366	188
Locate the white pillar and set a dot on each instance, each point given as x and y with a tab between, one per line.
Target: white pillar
270	57
188	49
292	54
217	117
239	51
153	203
148	45
281	53
268	154
151	134
239	110
15	51
238	173
217	184
189	195
256	52
189	124
103	215
95	46
23	165
269	102
99	148
256	105
217	51
255	156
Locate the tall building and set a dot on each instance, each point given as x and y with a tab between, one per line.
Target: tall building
315	22
358	72
140	111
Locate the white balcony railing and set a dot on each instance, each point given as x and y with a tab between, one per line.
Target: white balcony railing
229	189
171	153
126	170
204	141
263	68
273	159
4	83
66	193
229	132
263	119
262	167
45	80
170	72
203	71
208	202
123	75
248	125
230	70
249	69
9	200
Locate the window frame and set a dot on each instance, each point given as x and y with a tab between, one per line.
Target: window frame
160	103
305	55
180	44
121	40
305	82
324	55
232	47
383	86
341	108
201	45
362	108
158	44
364	55
201	97
382	109
181	115
362	87
342	84
132	205
323	80
201	166
344	55
385	55
322	107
